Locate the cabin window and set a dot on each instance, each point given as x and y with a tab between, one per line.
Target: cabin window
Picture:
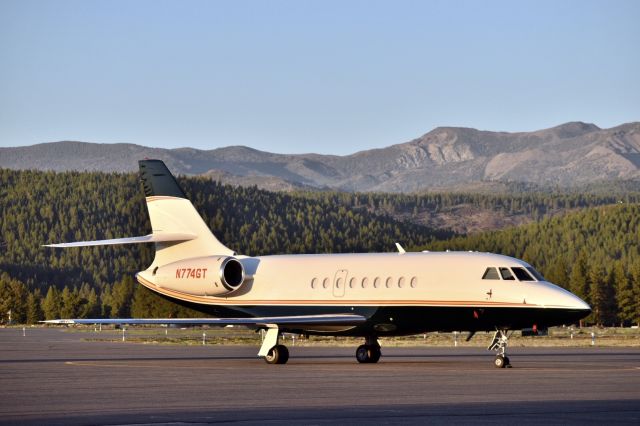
389	282
314	283
352	282
365	282
401	282
491	274
339	283
522	274
376	282
506	274
535	273
414	282
325	283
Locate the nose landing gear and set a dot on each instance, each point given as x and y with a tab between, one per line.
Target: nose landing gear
499	344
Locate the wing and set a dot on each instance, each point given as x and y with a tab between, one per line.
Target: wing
289	321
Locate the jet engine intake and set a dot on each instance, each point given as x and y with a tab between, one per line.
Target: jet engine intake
231	273
201	276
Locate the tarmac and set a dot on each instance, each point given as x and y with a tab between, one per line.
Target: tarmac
54	376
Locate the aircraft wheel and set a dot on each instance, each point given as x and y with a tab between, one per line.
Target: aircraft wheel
279	354
366	354
500	361
375	354
362	354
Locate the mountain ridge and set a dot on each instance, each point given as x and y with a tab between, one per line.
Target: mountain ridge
567	155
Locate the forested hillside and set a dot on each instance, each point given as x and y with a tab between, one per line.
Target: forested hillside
42	207
475	212
594	253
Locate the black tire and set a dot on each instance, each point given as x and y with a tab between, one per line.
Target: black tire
279	354
499	361
362	354
284	354
374	354
368	354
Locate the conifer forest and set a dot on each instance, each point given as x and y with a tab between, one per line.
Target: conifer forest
587	243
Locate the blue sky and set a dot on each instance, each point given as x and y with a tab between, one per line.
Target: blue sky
310	76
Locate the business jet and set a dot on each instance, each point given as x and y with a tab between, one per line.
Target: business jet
368	295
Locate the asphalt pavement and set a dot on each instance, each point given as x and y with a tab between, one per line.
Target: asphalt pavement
54	376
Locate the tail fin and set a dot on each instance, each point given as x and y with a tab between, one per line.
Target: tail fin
178	230
170	212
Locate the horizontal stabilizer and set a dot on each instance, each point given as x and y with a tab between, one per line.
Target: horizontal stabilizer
300	320
160	237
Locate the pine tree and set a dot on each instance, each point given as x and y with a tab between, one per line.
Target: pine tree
51	304
89	306
578	280
634	311
13	300
143	303
69	303
6	300
609	306
122	297
105	302
92	308
596	280
34	308
557	273
625	299
602	296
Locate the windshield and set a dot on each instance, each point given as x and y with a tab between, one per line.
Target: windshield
535	273
506	274
522	274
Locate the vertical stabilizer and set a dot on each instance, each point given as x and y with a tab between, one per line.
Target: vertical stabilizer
170	212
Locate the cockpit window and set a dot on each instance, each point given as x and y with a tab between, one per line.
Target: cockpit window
522	274
491	274
535	273
506	274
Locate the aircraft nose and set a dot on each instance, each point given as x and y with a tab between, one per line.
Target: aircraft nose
560	296
571	307
577	308
572	301
582	305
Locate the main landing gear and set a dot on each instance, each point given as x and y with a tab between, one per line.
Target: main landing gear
499	344
273	352
369	353
279	354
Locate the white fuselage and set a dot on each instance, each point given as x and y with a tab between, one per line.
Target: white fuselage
382	279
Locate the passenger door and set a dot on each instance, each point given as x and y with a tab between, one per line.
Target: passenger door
339	282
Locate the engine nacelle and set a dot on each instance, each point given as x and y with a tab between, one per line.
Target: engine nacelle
202	276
